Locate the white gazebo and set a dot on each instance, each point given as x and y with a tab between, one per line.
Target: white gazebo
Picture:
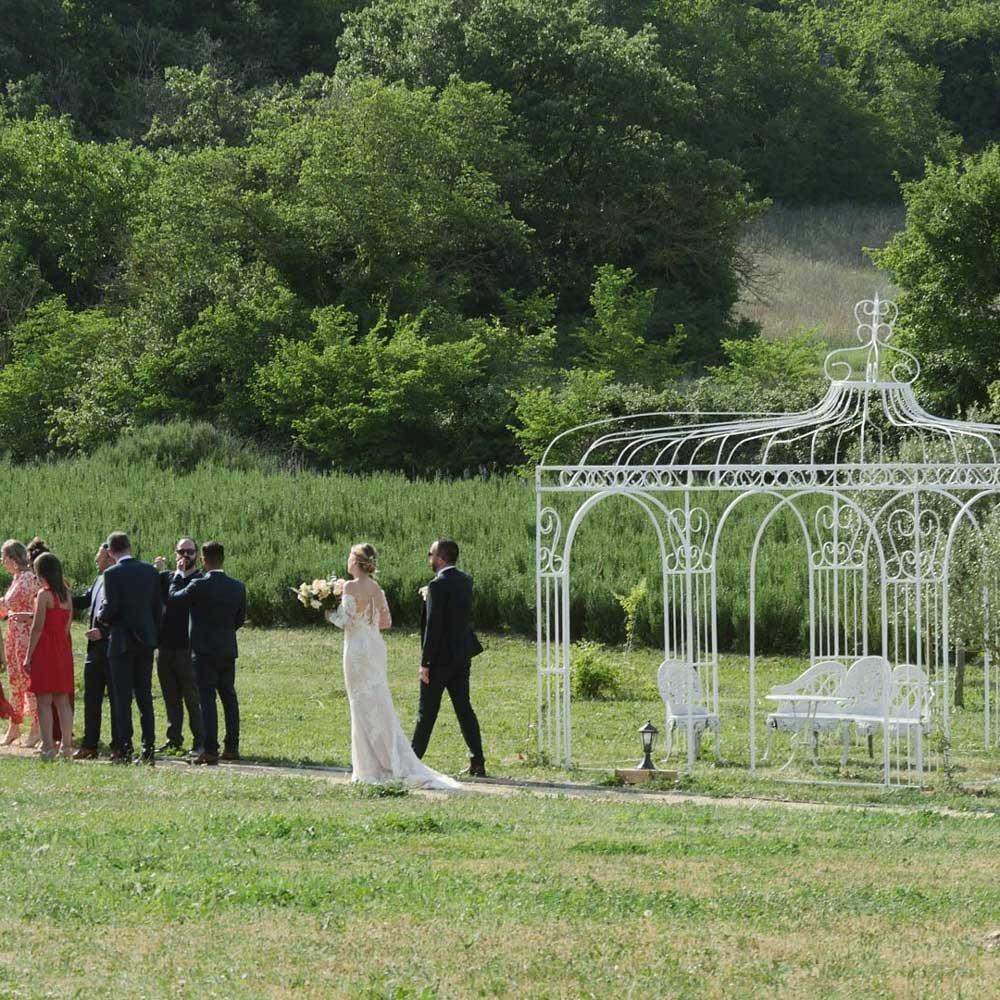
880	491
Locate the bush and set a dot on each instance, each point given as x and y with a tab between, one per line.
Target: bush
179	447
49	348
592	675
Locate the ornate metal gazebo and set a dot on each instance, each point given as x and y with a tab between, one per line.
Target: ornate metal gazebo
879	489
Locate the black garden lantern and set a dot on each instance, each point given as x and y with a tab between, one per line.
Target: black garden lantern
648	736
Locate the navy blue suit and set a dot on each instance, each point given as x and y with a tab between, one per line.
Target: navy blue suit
217	604
131	613
448	645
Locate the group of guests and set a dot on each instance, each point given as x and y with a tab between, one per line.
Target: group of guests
187	617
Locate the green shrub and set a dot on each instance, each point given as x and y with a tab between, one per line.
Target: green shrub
180	446
592	674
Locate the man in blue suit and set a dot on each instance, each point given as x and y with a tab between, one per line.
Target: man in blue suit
217	604
448	645
130	613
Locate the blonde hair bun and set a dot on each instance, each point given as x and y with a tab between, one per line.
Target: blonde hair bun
366	557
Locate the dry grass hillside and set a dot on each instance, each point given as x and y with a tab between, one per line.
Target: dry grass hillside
812	268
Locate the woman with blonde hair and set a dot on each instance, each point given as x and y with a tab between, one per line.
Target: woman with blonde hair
379	750
18	607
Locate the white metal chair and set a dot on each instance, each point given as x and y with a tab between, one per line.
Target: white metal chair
865	691
910	708
823	678
680	688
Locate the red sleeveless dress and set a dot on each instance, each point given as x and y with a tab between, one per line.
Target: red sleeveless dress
52	661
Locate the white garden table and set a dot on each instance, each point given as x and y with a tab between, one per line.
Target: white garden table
806	731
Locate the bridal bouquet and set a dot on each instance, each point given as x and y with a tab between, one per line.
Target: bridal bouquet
320	594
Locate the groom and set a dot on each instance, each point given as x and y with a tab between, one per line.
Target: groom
447	648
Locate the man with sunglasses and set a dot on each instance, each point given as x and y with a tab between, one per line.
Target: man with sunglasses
448	645
173	659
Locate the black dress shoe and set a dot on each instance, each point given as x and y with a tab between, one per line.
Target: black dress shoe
476	769
210	759
169	747
86	753
146	757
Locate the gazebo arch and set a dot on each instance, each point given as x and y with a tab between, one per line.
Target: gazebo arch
878	487
554	680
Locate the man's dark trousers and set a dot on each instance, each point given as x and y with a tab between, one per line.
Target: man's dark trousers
177	682
217	674
457	686
97	680
132	676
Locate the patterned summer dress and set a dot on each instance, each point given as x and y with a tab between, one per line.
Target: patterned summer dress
19	605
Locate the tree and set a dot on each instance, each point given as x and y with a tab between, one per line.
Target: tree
385	197
65	209
947	262
102	61
770	102
618	181
50	348
616	339
203	109
926	67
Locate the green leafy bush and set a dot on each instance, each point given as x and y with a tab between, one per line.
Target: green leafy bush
592	673
947	262
49	348
179	447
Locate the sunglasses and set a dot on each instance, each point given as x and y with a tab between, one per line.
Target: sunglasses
185	552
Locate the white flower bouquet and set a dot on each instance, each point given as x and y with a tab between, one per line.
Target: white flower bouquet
322	595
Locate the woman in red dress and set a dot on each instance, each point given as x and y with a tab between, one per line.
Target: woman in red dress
49	663
17	606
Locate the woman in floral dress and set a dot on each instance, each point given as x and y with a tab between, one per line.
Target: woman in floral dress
18	606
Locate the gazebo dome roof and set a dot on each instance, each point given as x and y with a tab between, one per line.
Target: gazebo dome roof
867	428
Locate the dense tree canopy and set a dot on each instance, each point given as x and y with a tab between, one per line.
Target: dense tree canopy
419	229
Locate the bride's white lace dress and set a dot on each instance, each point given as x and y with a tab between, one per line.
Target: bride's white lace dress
379	750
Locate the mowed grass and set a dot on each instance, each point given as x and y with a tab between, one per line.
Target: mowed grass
294	711
812	268
180	882
174	883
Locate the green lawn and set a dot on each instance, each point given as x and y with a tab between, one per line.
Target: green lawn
184	882
294	710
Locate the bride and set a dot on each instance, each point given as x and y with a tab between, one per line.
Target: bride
379	750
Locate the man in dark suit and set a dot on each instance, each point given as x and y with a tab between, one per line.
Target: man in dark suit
447	648
131	611
218	607
173	656
96	669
